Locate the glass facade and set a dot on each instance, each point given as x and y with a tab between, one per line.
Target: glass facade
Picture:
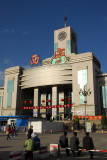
82	80
0	101
104	96
55	46
9	91
68	47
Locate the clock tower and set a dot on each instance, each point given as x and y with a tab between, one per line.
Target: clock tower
65	38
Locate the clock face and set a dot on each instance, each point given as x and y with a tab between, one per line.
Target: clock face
62	36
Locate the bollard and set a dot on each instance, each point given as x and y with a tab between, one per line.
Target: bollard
15	155
51	131
102	130
44	131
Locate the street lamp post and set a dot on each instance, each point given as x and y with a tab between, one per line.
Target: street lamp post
85	93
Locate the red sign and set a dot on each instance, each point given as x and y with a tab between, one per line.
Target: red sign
34	59
47	107
89	117
59	53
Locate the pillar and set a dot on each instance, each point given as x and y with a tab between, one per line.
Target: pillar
35	111
54	100
61	96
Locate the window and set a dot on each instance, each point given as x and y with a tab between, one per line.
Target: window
104	96
9	91
82	80
55	46
0	101
68	47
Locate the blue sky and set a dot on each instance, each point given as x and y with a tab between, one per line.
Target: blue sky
27	27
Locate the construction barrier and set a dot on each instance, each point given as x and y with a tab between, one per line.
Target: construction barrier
93	150
15	155
53	149
51	131
43	152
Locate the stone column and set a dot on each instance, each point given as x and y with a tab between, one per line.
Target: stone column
61	96
54	100
35	111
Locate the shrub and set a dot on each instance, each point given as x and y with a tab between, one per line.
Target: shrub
51	119
77	120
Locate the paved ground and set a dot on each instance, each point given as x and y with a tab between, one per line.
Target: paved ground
6	146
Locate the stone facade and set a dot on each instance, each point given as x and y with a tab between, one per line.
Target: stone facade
60	77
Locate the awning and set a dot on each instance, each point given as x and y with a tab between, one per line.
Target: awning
3	119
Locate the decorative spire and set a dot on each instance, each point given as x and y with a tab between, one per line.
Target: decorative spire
65	21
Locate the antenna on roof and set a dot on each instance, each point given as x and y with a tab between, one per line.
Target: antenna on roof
65	19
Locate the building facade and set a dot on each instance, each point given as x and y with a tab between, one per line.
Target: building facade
56	82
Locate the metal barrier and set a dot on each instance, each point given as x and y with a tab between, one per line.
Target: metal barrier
93	150
15	155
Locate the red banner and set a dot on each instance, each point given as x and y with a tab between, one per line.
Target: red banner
89	117
47	107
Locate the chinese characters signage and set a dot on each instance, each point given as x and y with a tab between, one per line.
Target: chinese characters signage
34	59
59	56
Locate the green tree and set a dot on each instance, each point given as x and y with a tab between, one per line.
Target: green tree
104	120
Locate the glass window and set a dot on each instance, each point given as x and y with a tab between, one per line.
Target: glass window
82	99
104	96
0	101
68	47
82	77
9	91
55	46
82	81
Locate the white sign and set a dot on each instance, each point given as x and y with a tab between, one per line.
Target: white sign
79	112
53	149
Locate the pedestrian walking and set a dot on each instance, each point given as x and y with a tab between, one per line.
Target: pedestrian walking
74	144
88	144
8	132
14	127
29	144
12	133
30	131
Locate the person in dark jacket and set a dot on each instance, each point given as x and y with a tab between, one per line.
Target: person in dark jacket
88	144
36	139
30	131
63	142
74	144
